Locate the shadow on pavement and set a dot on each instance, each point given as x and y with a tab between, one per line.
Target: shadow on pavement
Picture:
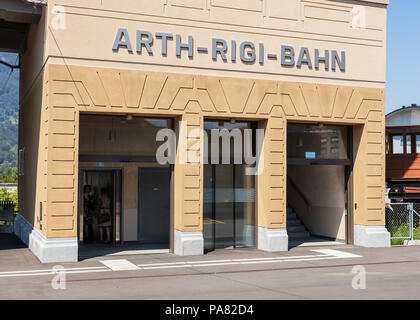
9	241
88	251
313	241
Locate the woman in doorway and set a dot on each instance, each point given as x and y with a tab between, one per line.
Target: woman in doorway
88	213
105	216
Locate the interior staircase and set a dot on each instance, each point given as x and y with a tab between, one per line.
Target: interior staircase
300	236
295	229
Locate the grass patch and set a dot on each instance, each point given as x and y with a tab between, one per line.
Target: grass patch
402	232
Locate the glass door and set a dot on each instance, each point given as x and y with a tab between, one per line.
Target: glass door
100	206
245	214
229	193
224	213
229	207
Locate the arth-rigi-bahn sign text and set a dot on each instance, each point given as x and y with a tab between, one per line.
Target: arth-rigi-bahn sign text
247	52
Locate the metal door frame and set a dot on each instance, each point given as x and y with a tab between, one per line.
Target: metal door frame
213	210
118	218
349	184
254	124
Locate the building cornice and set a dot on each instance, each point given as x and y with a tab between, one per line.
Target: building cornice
384	2
45	2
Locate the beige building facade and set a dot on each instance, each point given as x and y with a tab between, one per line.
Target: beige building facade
101	77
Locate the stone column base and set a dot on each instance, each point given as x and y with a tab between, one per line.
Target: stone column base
188	243
273	240
412	242
248	235
371	236
47	250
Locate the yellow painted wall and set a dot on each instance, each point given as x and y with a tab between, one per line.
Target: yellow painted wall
68	71
134	137
79	89
322	24
33	126
32	139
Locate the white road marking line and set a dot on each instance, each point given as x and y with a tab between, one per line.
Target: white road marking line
181	263
204	262
290	260
51	273
209	261
315	259
88	271
215	264
302	258
338	254
49	270
125	265
160	264
119	265
264	261
326	254
281	258
166	267
246	261
27	274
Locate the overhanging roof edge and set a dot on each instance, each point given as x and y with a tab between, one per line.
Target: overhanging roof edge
37	2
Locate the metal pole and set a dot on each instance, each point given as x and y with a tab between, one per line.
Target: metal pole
411	222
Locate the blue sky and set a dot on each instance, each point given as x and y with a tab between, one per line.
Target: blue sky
403	54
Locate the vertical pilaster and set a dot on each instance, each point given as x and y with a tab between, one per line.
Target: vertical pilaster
369	182
188	220
272	234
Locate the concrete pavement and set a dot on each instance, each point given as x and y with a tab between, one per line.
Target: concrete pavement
301	273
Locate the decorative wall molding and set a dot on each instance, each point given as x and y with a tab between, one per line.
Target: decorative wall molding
75	89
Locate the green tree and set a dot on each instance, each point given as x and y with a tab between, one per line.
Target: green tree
9	106
9	175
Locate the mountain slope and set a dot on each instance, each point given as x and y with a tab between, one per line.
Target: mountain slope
9	105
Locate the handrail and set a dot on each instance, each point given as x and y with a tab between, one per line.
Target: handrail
301	194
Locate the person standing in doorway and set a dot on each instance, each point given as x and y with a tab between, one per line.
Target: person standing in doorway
105	217
96	211
88	212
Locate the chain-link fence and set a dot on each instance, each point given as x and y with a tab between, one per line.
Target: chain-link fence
402	221
6	216
7	205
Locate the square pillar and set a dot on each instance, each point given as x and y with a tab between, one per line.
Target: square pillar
369	181
188	189
271	184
